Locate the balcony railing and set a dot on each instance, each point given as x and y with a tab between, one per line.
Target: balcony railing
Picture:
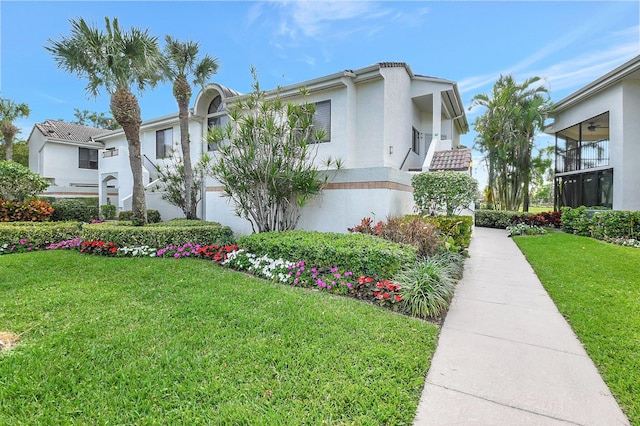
110	153
588	156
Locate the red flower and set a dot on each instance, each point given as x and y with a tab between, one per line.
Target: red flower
386	295
380	285
398	298
375	293
113	249
368	280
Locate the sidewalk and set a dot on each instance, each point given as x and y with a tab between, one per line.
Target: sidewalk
505	354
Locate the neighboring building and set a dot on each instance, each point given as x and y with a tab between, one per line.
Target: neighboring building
67	155
597	146
383	121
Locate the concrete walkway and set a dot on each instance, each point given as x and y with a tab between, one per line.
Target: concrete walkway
506	356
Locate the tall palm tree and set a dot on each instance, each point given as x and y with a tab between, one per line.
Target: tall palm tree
116	60
515	112
9	112
182	63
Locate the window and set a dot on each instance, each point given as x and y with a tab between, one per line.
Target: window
216	117
88	158
217	121
584	145
415	142
591	189
322	119
164	139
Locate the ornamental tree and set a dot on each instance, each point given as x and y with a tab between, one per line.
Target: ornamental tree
265	159
446	190
18	183
175	188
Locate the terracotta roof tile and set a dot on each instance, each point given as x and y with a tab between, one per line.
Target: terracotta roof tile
69	131
453	159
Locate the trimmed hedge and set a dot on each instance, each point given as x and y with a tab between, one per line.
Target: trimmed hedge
39	233
359	253
499	218
153	216
159	236
600	224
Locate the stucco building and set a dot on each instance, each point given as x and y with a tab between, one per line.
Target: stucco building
597	147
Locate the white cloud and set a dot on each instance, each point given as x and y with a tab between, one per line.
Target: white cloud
578	67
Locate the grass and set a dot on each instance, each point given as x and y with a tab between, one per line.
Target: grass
164	341
596	286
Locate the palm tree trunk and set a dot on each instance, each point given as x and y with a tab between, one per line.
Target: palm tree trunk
126	111
182	93
8	132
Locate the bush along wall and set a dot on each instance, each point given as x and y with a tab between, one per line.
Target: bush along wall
75	210
601	224
501	219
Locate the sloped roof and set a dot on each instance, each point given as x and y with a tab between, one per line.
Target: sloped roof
69	131
452	159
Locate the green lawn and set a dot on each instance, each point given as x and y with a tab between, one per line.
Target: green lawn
164	341
596	286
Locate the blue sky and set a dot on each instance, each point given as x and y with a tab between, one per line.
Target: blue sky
569	44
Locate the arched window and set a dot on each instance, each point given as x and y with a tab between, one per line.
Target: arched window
216	116
215	105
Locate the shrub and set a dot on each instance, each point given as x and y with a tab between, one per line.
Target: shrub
428	286
365	227
183	223
108	211
359	253
576	221
458	228
524	229
446	190
39	233
498	218
75	210
616	224
415	231
159	236
153	216
544	219
28	211
18	183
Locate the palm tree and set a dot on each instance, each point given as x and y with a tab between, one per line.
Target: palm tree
182	63
116	60
9	111
515	112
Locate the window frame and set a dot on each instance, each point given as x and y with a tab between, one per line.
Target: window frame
87	163
415	140
165	151
322	120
